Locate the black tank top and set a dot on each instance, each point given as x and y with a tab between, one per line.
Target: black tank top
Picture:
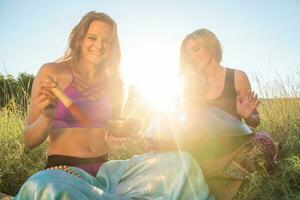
227	100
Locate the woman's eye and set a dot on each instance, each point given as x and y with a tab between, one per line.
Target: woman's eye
91	38
106	41
195	48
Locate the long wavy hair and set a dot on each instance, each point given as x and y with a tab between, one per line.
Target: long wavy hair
112	64
195	82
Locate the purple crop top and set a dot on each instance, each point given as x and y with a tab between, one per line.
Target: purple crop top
98	111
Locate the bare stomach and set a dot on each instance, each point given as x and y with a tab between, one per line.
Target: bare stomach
77	142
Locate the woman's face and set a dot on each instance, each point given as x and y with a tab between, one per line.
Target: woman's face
96	44
198	54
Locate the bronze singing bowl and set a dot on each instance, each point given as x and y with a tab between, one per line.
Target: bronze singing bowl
123	127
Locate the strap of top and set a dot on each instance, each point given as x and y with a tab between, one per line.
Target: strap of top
229	86
83	87
68	68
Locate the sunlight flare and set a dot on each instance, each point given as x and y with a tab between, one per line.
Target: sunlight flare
154	72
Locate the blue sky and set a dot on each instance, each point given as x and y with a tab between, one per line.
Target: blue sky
259	37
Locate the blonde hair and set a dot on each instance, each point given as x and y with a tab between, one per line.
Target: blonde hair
78	33
195	82
205	38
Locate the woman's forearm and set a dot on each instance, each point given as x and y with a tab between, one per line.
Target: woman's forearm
37	132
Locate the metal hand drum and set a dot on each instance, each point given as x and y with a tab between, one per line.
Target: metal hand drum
215	122
212	122
213	134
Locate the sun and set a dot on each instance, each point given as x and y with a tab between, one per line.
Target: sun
154	72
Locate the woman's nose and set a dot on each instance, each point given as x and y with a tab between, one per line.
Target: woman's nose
99	44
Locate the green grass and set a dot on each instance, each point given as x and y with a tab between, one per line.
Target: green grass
279	117
17	163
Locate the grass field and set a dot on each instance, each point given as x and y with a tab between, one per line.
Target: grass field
279	117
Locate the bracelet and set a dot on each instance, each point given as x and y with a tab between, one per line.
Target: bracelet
64	168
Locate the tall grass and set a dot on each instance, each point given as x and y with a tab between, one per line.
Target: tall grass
17	163
279	117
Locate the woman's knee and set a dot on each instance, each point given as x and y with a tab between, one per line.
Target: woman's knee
46	184
181	159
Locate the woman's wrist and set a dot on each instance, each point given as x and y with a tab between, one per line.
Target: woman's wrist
249	118
253	120
47	121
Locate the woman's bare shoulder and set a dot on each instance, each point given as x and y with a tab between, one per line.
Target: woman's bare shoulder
52	68
241	80
240	75
57	71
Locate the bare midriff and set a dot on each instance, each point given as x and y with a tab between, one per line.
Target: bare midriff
77	142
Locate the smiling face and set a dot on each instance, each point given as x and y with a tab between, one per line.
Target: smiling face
199	55
96	45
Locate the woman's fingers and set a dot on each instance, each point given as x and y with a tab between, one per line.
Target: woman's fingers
106	136
121	139
239	98
257	103
255	98
252	96
41	98
117	139
46	97
48	94
42	102
48	84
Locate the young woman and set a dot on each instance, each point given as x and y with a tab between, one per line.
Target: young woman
208	84
77	166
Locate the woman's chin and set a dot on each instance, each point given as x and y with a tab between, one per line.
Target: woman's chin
96	61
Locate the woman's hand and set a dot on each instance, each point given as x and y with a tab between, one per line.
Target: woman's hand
114	143
246	105
46	100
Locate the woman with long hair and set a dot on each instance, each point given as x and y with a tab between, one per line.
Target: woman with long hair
72	101
208	84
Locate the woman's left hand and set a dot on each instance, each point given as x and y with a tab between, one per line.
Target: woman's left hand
246	105
114	143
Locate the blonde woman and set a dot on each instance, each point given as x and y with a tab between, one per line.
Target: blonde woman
208	84
77	165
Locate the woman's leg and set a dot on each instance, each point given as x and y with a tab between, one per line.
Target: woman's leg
57	184
169	175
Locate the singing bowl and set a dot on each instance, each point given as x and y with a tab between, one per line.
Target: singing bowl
123	127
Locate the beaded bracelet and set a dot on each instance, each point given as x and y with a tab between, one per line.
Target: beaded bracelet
64	168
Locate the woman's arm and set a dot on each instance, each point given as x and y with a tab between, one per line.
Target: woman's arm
247	101
41	109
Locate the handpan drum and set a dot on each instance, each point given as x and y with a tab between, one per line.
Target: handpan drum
213	133
215	122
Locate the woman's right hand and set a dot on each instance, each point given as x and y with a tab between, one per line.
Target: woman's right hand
46	100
